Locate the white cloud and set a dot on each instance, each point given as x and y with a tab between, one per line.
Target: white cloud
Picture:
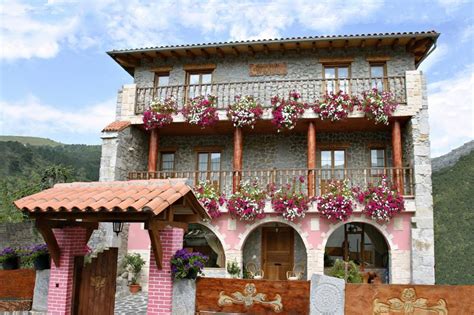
30	116
438	55
451	110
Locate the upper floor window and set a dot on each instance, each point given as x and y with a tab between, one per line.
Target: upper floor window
167	161
378	76
160	83
337	78
333	163
377	158
208	166
199	83
162	79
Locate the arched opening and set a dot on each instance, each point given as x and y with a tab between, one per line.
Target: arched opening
363	244
276	250
201	239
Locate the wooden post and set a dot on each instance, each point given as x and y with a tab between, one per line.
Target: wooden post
311	158
153	150
238	150
397	155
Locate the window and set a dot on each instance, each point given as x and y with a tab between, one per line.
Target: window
199	83
209	166
377	161
378	74
162	79
333	163
337	78
161	83
167	161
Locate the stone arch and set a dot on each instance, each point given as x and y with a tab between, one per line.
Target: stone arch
207	240
215	229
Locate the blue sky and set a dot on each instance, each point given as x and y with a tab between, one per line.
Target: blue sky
56	80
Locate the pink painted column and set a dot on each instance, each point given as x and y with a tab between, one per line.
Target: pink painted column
72	242
160	283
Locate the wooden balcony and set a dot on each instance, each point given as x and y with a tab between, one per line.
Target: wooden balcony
263	91
224	179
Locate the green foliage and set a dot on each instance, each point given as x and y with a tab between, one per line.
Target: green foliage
339	271
134	263
453	196
233	268
30	140
27	169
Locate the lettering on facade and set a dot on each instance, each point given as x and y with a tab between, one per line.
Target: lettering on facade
262	69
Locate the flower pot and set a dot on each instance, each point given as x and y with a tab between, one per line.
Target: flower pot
134	288
42	262
11	263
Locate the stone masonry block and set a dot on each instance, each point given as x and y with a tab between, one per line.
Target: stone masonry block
327	295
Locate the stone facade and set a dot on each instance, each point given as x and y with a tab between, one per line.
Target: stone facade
20	234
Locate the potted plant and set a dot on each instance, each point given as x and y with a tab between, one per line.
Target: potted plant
245	111
187	265
337	203
335	106
347	270
286	112
201	111
248	202
233	269
378	106
9	258
290	200
39	254
134	264
160	113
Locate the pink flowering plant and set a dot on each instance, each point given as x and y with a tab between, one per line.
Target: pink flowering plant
337	203
378	106
208	195
286	112
335	106
290	201
201	111
248	202
160	113
381	202
245	111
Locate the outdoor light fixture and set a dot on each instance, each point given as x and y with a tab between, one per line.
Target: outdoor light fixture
118	226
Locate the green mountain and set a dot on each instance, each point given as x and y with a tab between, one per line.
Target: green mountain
453	196
30	140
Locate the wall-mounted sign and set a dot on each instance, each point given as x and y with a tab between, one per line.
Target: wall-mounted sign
261	69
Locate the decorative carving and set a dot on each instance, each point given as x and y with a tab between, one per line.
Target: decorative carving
98	282
408	304
250	297
262	69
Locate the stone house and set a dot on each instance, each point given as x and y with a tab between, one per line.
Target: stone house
357	149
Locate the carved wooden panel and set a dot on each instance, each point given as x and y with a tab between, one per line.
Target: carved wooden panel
261	69
252	296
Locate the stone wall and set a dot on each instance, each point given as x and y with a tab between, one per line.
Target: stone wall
20	234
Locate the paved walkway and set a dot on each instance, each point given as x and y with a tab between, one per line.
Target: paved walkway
135	304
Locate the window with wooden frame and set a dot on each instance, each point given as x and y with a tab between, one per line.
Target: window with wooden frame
198	82
160	84
333	163
378	161
337	77
208	166
378	76
167	160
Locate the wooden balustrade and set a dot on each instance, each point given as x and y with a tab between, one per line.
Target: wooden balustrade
320	178
310	90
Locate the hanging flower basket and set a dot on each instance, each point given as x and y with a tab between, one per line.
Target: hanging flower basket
335	106
337	203
381	202
286	112
245	111
207	194
289	200
378	106
160	113
248	203
201	111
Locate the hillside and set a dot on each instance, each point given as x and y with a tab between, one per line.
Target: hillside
453	196
452	157
30	140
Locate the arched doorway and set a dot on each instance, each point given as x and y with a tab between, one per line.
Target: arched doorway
362	243
276	249
201	239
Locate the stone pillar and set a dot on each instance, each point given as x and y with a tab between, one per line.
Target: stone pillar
160	283
397	155
311	158
238	152
72	242
153	150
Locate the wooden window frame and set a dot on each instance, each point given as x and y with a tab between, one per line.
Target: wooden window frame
209	151
347	65
160	159
193	72
156	77
332	149
385	76
374	170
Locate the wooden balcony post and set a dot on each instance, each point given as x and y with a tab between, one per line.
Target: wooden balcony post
397	155
153	150
238	150
311	157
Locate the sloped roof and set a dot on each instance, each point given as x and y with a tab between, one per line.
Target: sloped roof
117	125
120	196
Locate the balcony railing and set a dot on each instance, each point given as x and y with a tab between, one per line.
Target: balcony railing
263	91
320	177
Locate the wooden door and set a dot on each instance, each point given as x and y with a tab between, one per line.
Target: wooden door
94	284
277	252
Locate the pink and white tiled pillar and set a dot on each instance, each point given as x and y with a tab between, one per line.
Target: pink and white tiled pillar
160	283
72	242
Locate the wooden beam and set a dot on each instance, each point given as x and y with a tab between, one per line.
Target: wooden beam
313	46
251	50
236	51
397	155
420	43
311	158
94	216
161	55
187	218
237	167
378	43
395	43
220	52
362	43
205	53
265	49
298	47
282	48
190	54
153	150
410	43
53	247
330	45
175	54
156	246
147	58
346	44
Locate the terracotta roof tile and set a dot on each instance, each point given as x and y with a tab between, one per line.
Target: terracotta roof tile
125	196
117	126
